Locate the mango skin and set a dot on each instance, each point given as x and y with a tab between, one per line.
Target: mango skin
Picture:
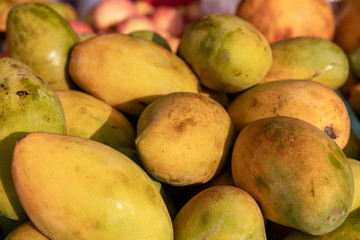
355	206
227	53
220	213
106	195
39	37
89	117
349	230
298	175
27	104
307	100
309	58
129	72
26	231
184	138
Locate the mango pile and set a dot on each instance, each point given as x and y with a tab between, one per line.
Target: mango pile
241	131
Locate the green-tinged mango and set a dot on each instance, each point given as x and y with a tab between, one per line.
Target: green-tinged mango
89	117
349	230
354	60
309	58
304	99
355	206
39	37
226	52
220	213
296	172
184	138
28	104
132	154
76	188
129	72
26	231
152	36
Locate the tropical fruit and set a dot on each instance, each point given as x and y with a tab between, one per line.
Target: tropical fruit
283	19
220	213
106	195
39	37
28	104
349	230
304	99
308	58
184	138
26	231
296	172
129	72
355	206
226	52
89	117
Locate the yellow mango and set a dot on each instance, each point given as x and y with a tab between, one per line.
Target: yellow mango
27	104
26	231
226	52
76	188
89	117
307	100
308	58
129	72
220	213
296	172
355	206
184	138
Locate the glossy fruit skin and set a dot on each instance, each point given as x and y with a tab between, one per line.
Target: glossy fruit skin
226	52
299	176
220	213
42	39
309	58
132	73
304	99
76	188
28	104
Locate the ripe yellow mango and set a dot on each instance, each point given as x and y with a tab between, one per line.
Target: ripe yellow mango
296	172
309	58
184	138
307	100
27	104
76	188
89	117
26	231
39	37
220	213
129	72
226	52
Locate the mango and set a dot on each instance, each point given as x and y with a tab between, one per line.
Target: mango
106	195
354	60
184	138
152	36
220	213
296	172
227	53
26	231
89	117
309	58
64	9
28	104
355	206
129	72
39	37
349	230
307	100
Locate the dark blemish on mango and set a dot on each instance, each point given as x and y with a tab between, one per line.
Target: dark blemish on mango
22	94
262	184
330	132
14	65
180	127
312	188
227	57
334	161
4	87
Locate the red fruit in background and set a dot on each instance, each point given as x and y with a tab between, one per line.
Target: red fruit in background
168	19
80	26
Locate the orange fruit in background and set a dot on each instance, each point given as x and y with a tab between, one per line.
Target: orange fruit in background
347	33
283	19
